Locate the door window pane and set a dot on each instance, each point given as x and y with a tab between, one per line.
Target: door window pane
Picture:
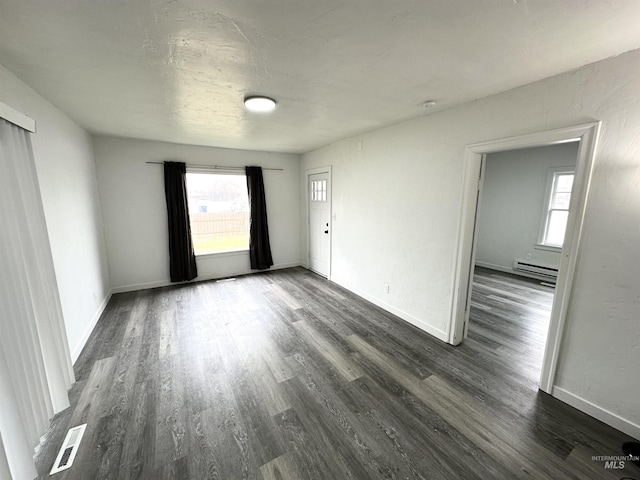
319	191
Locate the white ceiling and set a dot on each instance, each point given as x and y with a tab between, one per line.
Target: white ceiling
177	70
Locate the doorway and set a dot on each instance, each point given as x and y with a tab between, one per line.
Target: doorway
524	198
319	215
586	135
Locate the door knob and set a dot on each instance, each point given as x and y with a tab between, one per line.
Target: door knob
326	231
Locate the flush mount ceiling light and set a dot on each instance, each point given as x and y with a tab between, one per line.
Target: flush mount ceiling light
259	104
429	103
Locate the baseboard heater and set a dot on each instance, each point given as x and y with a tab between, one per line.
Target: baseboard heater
526	266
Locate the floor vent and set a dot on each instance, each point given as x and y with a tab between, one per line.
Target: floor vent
69	449
528	267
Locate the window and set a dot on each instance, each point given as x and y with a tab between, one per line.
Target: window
218	211
319	191
556	213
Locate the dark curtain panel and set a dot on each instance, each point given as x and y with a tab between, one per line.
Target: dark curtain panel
182	259
259	248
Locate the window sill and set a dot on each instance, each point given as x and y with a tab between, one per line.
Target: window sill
548	248
229	253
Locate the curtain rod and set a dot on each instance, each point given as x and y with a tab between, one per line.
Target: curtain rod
217	167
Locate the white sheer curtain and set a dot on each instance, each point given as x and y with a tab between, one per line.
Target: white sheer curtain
35	364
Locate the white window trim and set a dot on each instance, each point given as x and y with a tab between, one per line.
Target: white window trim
548	248
215	170
552	172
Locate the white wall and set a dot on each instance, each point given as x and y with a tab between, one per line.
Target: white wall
135	212
513	198
66	172
398	204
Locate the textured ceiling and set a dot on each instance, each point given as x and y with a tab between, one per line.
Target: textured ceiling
178	70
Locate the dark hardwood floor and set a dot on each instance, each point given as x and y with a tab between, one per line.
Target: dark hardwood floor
283	375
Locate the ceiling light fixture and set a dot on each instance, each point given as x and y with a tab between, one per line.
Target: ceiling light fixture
259	104
429	103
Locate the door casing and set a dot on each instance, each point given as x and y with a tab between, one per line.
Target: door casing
587	135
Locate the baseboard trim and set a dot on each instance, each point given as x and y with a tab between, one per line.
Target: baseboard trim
416	322
166	283
597	412
75	353
141	286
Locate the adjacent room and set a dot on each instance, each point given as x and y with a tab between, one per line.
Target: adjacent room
319	240
521	223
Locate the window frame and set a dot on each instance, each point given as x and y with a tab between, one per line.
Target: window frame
216	171
552	174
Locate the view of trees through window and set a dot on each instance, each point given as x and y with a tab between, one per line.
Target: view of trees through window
219	212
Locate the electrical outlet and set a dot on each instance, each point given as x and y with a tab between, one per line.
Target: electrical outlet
528	256
386	288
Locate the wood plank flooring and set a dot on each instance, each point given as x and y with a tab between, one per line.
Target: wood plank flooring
283	375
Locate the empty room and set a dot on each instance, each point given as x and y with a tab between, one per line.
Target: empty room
319	240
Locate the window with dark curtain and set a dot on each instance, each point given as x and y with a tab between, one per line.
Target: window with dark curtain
259	248
182	258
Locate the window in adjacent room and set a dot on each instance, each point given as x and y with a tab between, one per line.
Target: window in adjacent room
556	212
218	211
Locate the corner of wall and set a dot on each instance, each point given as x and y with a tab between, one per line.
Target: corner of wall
77	349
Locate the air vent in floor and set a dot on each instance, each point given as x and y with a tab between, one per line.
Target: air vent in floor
69	449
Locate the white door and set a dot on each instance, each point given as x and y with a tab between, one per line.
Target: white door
319	195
